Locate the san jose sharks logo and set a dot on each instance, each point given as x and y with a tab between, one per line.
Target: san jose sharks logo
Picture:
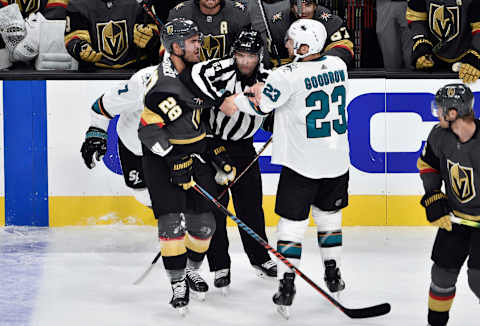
113	39
461	181
444	21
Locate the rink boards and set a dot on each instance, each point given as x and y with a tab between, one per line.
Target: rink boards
45	181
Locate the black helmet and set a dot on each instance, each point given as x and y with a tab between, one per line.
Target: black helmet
455	96
178	30
294	2
250	41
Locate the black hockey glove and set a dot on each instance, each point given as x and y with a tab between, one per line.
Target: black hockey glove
181	170
422	53
437	209
95	145
222	162
267	124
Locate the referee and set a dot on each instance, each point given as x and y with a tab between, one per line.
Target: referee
217	79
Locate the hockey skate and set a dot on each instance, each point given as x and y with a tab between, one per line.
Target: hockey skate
285	294
222	280
196	283
333	278
180	297
268	268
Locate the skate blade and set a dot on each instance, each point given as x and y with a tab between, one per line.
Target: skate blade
284	311
200	296
183	311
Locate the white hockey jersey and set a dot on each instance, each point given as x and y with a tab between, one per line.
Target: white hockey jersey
310	126
125	99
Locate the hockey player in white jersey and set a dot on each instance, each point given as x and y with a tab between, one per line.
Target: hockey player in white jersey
310	142
126	100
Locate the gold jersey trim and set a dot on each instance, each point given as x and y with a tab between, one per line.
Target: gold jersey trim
466	216
413	15
81	34
187	141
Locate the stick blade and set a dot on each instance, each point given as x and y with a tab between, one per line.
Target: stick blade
368	312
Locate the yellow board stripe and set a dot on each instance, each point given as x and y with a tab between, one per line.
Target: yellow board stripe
363	210
2	211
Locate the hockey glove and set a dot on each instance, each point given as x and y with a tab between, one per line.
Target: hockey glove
84	51
470	69
181	170
223	164
94	146
422	55
143	34
437	209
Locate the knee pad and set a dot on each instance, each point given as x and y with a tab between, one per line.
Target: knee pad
327	221
171	226
201	226
171	231
200	229
444	277
289	230
142	196
474	281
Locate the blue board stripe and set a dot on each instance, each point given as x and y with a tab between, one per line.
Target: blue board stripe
25	153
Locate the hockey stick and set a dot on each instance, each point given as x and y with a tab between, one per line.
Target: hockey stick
462	221
151	14
149	269
367	312
246	169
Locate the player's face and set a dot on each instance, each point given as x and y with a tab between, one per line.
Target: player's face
209	4
307	10
246	62
289	46
192	48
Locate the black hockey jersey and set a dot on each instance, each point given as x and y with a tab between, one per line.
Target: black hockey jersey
458	166
453	26
279	19
220	30
108	27
50	9
172	112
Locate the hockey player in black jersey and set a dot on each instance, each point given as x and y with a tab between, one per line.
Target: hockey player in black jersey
217	79
446	32
281	14
50	9
451	158
220	21
174	146
110	34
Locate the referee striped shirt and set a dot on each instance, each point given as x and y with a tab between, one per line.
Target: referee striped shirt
214	78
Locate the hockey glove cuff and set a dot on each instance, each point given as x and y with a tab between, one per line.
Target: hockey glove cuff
422	53
83	51
437	209
181	170
470	69
94	147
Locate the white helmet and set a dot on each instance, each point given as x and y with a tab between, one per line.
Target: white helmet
309	32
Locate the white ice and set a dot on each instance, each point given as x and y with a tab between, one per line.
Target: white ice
83	276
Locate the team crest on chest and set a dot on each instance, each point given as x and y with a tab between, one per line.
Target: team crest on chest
113	39
444	21
28	6
461	181
213	47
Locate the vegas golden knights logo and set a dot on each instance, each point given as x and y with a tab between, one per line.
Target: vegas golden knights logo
28	6
444	22
213	47
461	181
113	39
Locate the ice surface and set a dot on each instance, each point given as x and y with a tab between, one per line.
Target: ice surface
83	276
